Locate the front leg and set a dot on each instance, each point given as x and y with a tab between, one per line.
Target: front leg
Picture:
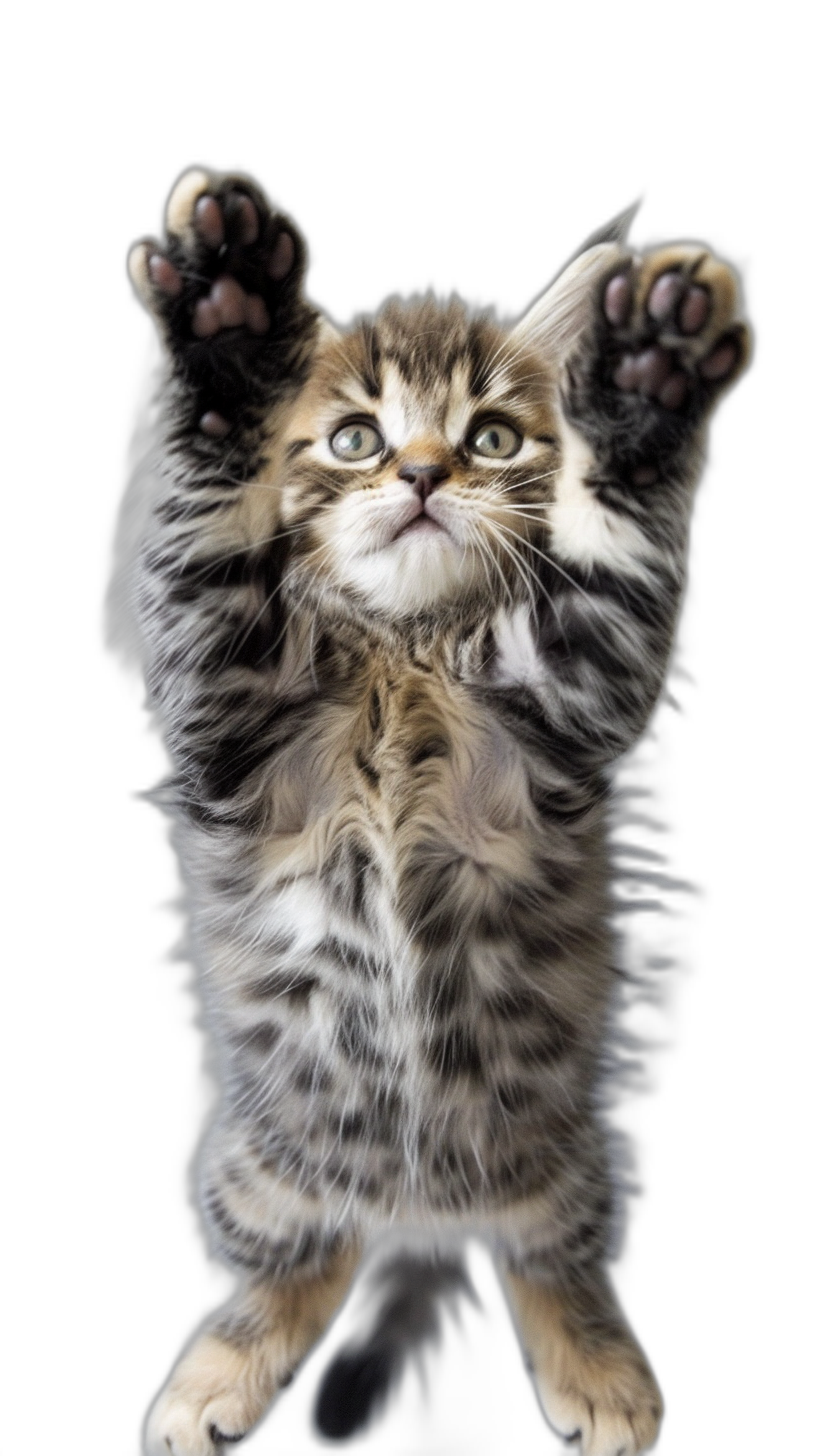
225	289
662	342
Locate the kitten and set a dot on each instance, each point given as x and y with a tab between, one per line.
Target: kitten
407	594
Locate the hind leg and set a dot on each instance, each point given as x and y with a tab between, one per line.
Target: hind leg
296	1259
224	1383
591	1376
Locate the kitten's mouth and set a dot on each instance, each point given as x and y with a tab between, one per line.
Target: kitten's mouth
421	524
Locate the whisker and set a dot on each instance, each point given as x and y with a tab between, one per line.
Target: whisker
522	566
555	565
502	532
491	561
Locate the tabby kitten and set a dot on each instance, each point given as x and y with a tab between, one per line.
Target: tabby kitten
407	593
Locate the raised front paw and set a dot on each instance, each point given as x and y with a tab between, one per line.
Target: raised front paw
674	338
223	284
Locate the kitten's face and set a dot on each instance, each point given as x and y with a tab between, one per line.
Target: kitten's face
421	459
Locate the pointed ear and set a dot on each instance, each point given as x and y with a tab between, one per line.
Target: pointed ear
554	322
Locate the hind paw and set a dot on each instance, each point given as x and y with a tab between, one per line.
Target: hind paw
618	1414
212	1400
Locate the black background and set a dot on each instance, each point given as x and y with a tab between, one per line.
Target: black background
423	188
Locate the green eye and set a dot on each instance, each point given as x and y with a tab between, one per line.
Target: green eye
357	441
496	440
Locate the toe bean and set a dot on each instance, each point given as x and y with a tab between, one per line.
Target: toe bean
654	367
228	297
673	392
206	319
664	296
627	375
247	217
209	221
282	257
720	361
164	275
694	310
257	316
618	299
214	424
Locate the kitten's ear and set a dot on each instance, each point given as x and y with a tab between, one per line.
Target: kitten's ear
615	231
556	319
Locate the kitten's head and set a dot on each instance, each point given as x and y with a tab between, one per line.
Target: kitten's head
422	454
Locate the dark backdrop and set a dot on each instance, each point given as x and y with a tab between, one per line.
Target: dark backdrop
411	192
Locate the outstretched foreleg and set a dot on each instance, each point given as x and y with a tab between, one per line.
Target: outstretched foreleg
659	340
224	286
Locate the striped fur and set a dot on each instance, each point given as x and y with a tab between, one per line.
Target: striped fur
394	712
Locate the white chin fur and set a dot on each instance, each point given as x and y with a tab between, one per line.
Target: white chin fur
412	574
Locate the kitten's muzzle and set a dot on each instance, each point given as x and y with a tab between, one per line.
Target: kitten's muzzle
424	478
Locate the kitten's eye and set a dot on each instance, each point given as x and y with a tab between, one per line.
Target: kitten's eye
356	441
495	439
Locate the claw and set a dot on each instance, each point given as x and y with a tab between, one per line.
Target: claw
218	1438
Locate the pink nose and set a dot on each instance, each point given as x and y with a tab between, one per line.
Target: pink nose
424	478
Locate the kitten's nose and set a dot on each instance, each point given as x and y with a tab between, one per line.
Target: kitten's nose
424	478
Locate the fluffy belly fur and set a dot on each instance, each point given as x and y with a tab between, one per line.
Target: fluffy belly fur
407	966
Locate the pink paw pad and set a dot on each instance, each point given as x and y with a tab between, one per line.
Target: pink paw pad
282	257
652	373
214	425
694	310
209	221
256	314
164	275
230	257
206	320
618	299
720	361
647	371
674	391
227	306
249	226
665	296
228	298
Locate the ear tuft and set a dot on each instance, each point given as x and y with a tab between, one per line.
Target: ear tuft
557	319
615	231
